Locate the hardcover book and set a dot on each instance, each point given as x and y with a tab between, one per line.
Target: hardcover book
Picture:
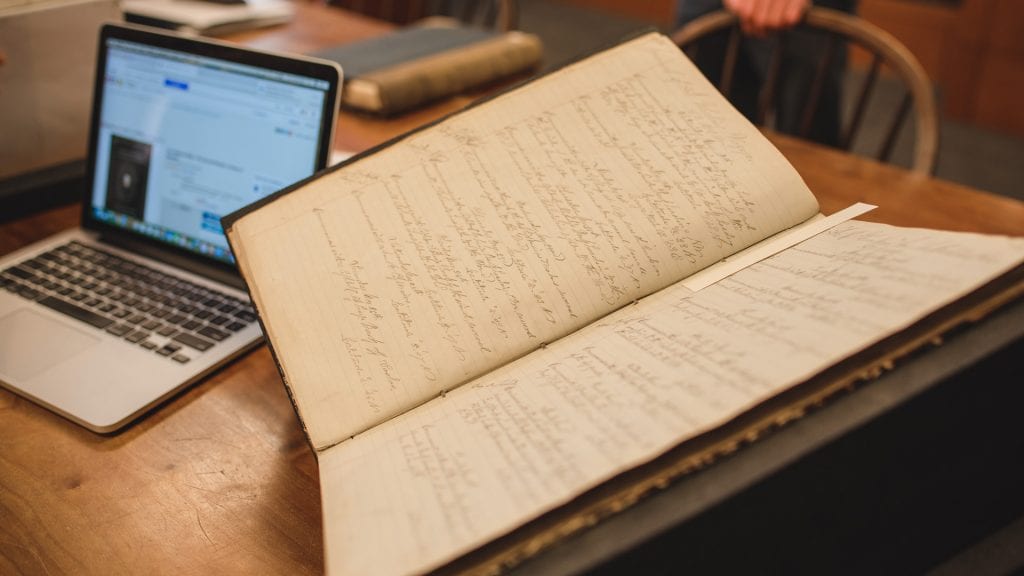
510	324
420	64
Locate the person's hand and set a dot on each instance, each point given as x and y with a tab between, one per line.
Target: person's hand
760	16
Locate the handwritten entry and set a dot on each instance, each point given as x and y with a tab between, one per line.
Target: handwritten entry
504	228
497	452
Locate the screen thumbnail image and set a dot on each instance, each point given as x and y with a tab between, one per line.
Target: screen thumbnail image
128	176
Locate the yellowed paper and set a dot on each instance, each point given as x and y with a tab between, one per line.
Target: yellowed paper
461	470
506	227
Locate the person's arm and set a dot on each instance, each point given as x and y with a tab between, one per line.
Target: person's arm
760	16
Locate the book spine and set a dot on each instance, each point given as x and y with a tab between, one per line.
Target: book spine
426	79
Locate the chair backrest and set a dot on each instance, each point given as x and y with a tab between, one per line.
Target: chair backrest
885	51
500	15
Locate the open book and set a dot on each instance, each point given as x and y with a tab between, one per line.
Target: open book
490	318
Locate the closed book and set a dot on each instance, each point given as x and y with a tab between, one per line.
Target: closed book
208	18
420	64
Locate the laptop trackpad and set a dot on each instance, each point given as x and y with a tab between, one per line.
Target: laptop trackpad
31	343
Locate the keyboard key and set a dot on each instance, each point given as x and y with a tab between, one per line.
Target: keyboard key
245	316
236	326
77	312
20	273
213	333
191	325
218	320
180	358
150	325
147	345
120	313
135	319
193	341
137	336
120	329
27	292
49	270
167	331
197	296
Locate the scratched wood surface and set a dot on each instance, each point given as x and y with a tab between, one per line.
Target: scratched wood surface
219	479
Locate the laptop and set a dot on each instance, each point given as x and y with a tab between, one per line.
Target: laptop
48	51
102	322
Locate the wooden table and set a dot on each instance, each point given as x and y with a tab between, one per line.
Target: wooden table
220	478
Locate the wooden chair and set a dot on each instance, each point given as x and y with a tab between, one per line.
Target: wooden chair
500	15
840	28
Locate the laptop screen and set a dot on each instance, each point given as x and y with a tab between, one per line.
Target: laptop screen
183	138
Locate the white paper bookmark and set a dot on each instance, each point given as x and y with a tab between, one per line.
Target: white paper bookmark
773	245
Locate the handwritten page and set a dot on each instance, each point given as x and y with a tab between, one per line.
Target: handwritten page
515	223
463	469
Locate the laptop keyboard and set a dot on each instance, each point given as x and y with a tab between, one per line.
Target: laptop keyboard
157	311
